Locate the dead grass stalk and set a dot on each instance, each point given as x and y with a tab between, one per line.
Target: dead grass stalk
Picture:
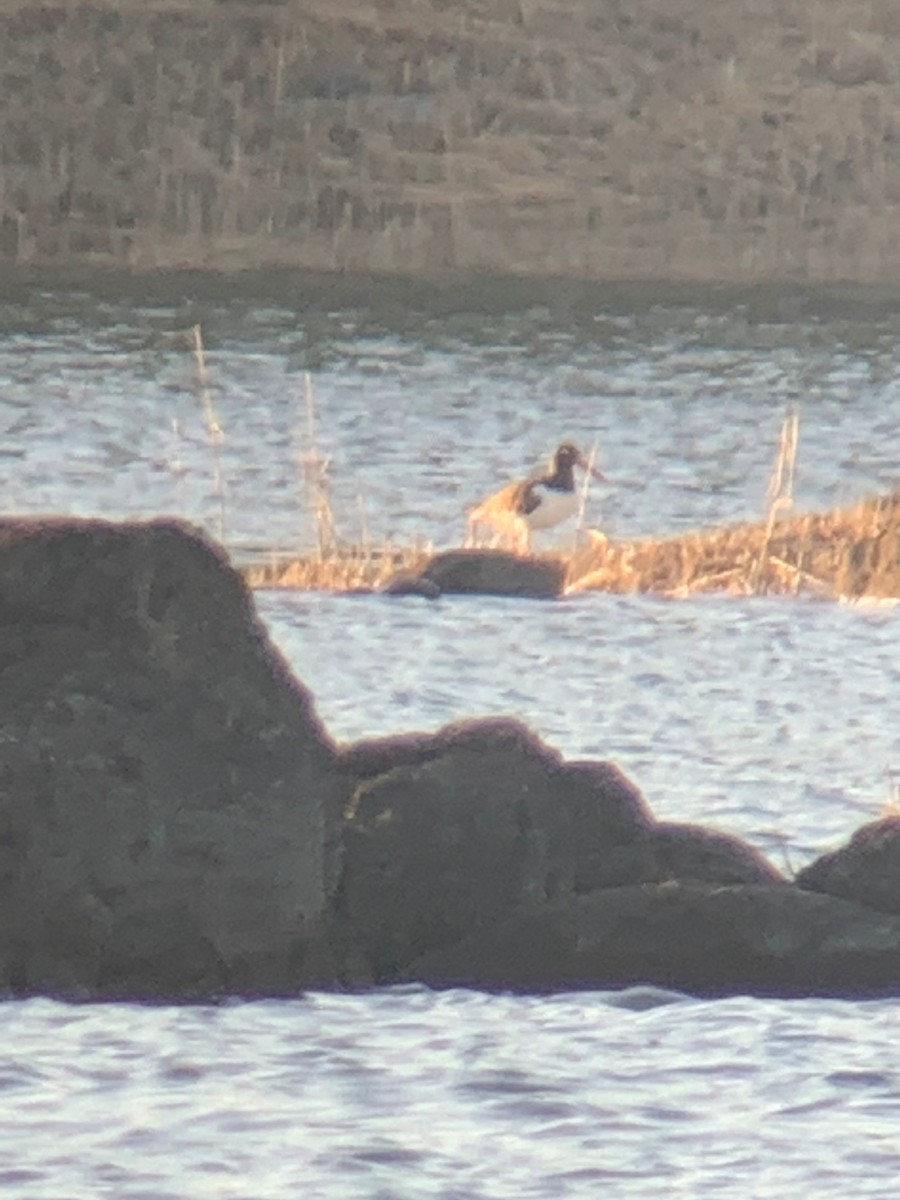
314	473
779	495
213	428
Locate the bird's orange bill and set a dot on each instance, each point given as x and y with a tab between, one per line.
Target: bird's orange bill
592	470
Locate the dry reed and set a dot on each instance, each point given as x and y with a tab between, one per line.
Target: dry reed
780	496
851	554
343	570
314	473
335	565
583	494
213	428
844	554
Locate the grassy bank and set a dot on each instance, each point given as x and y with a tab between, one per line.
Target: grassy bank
725	140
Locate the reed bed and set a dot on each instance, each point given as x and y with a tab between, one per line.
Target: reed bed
846	554
341	569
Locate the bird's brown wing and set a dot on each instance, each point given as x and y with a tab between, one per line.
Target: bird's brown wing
527	499
514	500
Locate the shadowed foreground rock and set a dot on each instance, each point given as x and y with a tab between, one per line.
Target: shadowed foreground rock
761	939
481	822
176	824
165	788
477	857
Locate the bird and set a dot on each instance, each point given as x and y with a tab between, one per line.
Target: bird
538	502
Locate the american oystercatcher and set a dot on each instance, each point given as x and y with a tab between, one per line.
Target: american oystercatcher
539	502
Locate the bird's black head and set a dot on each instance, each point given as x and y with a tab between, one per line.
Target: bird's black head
568	455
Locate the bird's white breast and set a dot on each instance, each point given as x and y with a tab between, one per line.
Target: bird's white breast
554	507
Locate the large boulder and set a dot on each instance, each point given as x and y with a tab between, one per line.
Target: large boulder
460	831
168	798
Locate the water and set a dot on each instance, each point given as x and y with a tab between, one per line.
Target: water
770	718
409	1095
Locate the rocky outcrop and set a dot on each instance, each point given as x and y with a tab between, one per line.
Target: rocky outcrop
175	823
464	829
168	798
479	858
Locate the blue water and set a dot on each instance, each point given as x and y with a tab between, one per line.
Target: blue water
407	1094
771	718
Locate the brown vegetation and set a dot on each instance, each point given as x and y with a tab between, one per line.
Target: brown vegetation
344	569
844	554
740	140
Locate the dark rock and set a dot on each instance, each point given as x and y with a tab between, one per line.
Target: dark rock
607	811
762	939
484	572
168	798
694	852
442	842
175	822
375	756
635	848
866	870
667	851
460	830
408	583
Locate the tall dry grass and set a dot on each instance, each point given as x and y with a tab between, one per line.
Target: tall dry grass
314	467
847	554
780	497
892	804
348	569
336	563
213	428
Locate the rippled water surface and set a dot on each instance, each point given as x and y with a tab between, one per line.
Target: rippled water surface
771	718
407	1094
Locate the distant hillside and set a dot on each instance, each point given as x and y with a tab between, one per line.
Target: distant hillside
716	140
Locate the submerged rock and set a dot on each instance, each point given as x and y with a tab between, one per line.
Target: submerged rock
482	572
167	795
